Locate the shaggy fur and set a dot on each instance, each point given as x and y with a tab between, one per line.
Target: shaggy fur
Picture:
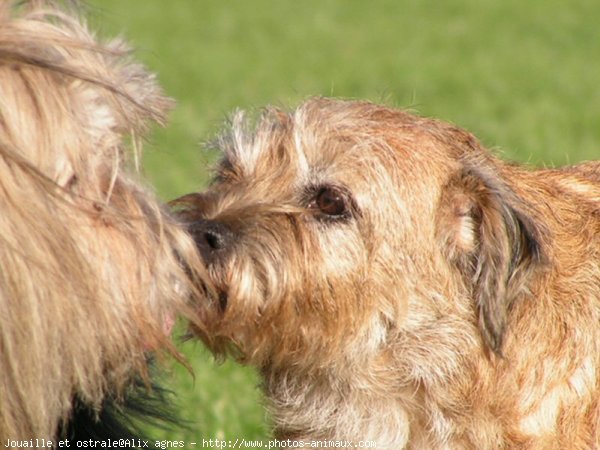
394	281
90	272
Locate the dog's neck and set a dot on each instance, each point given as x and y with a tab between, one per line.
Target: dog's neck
426	411
355	403
322	406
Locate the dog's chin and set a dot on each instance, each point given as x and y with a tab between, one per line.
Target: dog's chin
217	325
210	306
221	345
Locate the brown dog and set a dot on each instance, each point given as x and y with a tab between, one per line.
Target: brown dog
393	281
90	263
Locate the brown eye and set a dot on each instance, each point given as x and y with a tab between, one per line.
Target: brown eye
330	201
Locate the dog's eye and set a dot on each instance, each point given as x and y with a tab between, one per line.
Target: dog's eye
330	202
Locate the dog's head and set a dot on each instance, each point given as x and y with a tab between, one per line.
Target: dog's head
334	230
89	262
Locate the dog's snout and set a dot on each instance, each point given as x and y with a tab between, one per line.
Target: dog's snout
212	238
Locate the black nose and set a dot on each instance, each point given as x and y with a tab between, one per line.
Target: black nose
213	238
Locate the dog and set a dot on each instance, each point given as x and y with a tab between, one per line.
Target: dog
395	282
93	269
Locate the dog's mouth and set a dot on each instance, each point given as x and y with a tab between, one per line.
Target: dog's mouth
214	295
222	300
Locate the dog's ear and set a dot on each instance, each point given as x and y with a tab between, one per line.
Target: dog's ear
494	237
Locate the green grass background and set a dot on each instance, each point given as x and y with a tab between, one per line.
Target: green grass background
523	75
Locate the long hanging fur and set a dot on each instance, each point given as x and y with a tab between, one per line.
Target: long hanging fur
92	268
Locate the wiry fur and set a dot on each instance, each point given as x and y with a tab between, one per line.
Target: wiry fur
453	302
89	261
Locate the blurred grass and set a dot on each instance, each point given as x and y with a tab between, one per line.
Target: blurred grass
522	75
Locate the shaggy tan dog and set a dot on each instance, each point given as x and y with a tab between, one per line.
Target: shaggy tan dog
393	281
90	272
